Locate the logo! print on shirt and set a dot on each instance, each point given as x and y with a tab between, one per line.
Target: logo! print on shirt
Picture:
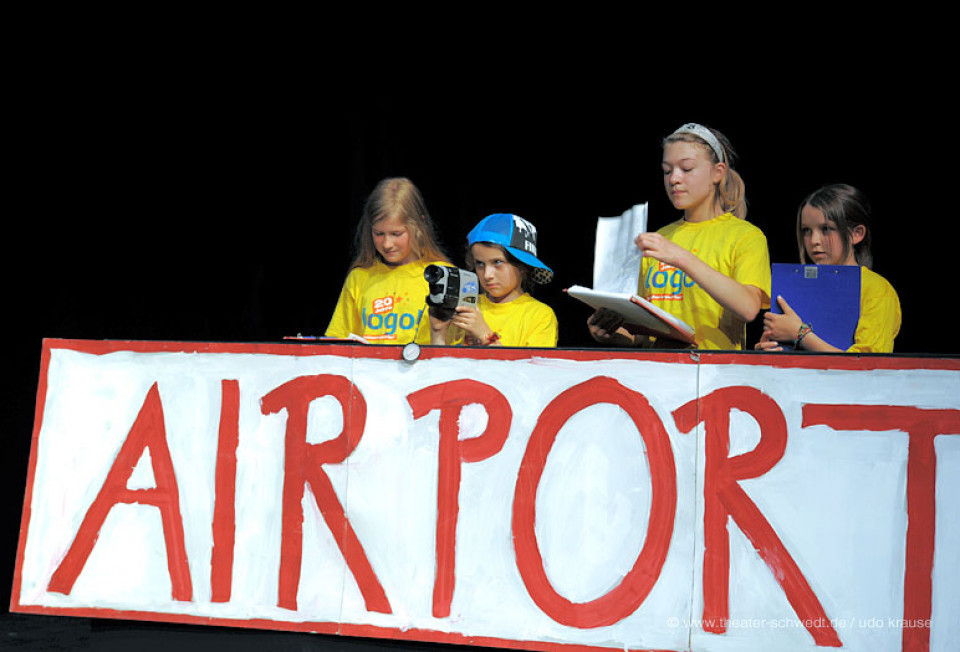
666	283
383	316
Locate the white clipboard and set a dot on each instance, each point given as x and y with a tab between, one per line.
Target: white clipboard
636	311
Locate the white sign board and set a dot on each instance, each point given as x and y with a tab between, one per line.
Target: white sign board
514	498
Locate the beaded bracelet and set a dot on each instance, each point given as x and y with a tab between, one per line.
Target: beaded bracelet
494	337
805	330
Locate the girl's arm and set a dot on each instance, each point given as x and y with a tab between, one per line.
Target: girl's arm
540	328
786	328
875	333
766	343
609	328
606	327
438	327
745	300
346	317
879	316
471	320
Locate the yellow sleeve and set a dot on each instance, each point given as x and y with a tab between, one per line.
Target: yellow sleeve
879	316
533	324
753	264
543	329
346	315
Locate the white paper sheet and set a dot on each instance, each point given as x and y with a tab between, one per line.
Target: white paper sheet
616	262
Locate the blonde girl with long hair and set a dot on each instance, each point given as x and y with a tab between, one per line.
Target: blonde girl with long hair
383	298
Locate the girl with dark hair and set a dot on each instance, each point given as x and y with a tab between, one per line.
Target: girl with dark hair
833	228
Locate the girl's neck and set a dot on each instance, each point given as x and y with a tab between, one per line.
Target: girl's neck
507	298
703	213
397	264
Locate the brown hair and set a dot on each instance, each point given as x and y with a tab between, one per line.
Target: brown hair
731	192
847	208
391	197
524	271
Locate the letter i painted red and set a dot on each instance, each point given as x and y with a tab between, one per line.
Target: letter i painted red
224	514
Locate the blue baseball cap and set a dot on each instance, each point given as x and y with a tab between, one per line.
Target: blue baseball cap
516	235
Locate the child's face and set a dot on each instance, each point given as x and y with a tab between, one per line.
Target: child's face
823	241
689	178
391	237
499	278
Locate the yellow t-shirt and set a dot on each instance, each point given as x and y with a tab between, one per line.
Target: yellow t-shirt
733	247
524	321
879	315
384	304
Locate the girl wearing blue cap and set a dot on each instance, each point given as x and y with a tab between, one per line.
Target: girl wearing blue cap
711	268
502	250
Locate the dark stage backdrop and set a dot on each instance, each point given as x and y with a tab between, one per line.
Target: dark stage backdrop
208	209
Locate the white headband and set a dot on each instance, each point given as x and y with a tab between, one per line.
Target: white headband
702	132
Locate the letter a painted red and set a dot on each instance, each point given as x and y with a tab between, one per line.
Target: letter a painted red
148	431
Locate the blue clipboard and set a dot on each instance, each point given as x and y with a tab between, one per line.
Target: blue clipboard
825	296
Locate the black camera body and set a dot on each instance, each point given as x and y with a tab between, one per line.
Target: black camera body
450	287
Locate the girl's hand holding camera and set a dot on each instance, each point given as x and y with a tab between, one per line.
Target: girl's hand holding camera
439	321
471	320
467	318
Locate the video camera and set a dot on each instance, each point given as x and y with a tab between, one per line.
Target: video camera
450	287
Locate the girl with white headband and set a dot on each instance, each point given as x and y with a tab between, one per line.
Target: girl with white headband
711	268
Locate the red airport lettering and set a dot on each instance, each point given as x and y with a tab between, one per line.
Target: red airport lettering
630	593
303	463
449	398
148	431
724	499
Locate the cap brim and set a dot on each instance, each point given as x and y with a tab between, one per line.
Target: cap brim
541	273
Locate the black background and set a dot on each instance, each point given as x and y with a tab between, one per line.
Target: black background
211	192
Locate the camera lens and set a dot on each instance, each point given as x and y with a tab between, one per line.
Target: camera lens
432	273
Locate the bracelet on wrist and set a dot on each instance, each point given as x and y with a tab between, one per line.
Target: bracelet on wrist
804	330
493	337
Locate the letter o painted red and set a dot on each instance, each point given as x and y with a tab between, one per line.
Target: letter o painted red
629	594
